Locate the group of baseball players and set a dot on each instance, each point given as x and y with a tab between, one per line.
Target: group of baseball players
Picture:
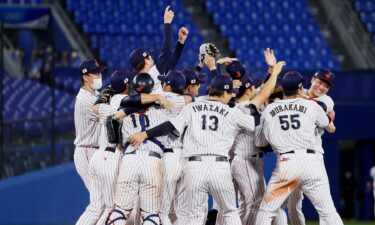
150	151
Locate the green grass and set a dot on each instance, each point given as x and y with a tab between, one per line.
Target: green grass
346	223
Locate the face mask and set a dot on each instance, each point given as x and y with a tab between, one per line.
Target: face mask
97	84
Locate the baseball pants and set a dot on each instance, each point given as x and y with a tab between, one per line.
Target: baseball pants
206	175
140	176
298	169
82	156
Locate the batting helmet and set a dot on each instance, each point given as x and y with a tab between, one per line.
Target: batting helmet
143	83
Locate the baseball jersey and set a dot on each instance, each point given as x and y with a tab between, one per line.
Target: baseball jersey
154	73
244	143
138	122
290	124
85	120
173	140
105	111
210	127
327	100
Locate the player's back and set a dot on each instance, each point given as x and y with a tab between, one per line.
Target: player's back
179	101
141	121
290	124
244	141
211	127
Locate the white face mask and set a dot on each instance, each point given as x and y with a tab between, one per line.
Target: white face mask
97	83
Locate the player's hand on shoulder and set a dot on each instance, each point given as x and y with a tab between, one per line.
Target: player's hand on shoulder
165	102
136	139
168	15
226	60
119	115
183	34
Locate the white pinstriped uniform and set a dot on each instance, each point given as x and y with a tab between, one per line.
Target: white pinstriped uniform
173	188
154	73
103	170
247	172
289	125
141	170
210	131
87	132
296	216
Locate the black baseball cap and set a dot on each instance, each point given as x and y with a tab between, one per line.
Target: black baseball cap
175	79
222	83
90	66
292	81
236	70
326	75
121	77
138	56
193	78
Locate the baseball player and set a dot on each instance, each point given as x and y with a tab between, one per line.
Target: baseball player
173	86
289	125
321	82
142	169
104	165
85	120
193	82
247	163
210	129
142	61
247	157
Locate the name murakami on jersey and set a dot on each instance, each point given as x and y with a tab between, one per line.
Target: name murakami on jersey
288	107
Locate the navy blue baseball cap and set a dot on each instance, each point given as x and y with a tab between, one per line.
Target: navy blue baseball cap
222	83
247	81
175	79
138	56
326	75
236	70
292	81
193	78
121	77
90	66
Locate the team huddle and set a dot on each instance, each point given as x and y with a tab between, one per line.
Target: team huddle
151	151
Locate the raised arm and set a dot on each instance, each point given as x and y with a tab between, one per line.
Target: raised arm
166	52
268	87
176	54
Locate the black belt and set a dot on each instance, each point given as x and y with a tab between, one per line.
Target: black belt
152	154
260	155
292	152
110	149
199	158
168	150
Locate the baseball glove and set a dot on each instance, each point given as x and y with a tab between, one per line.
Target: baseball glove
105	96
114	130
208	49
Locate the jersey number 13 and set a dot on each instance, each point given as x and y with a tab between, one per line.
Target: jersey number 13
212	122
